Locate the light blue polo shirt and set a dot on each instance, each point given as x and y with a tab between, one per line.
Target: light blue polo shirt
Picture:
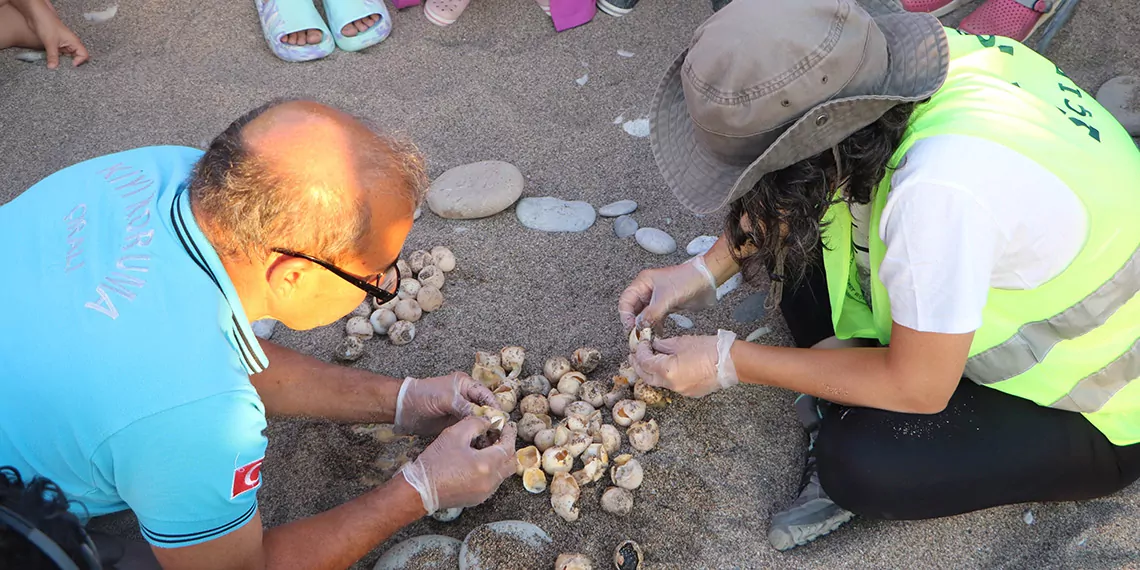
125	354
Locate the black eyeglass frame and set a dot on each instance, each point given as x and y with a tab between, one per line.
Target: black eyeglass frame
372	289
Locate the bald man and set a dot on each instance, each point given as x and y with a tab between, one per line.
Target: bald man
152	263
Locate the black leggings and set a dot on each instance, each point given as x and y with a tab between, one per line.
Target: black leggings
987	448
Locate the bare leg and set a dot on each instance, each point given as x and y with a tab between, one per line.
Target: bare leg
14	29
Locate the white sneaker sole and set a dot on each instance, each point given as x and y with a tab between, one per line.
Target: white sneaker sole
613	10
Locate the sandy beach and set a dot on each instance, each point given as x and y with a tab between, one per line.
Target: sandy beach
502	84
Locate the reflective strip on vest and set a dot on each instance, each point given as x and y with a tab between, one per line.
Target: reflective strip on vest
1033	341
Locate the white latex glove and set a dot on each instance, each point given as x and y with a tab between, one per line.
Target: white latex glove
655	293
427	405
694	366
451	473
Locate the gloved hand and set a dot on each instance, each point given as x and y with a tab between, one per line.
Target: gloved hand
655	293
450	473
427	405
694	366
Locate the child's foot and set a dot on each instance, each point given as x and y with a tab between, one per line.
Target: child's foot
313	36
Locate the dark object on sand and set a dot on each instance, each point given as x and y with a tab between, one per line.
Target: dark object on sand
627	556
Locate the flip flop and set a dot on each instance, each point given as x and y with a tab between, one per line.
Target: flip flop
1015	19
280	18
341	12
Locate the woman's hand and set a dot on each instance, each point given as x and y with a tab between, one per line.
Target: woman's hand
655	293
694	366
56	37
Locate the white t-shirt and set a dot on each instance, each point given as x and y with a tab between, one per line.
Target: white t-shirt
964	215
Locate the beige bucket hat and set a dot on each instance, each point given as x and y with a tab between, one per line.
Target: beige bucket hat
768	83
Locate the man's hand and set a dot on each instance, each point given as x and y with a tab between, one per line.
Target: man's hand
655	293
694	366
426	406
451	473
56	37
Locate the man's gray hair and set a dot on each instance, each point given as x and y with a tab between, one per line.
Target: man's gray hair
246	207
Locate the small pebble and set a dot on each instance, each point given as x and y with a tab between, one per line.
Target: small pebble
637	128
447	515
31	56
700	245
681	320
729	286
551	214
623	53
656	241
752	336
1028	517
263	329
416	215
102	15
582	80
619	208
625	226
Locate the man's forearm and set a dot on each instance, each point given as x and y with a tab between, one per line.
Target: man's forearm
339	537
850	376
296	384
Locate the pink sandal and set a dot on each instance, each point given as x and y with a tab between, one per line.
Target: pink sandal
444	12
401	4
1016	19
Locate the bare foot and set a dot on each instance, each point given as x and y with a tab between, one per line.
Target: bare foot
313	36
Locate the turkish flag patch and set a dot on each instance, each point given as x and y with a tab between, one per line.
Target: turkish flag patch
247	478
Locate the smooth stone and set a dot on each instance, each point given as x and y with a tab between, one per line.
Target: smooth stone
619	208
531	537
625	226
637	128
656	241
729	286
263	329
421	553
1121	97
475	190
751	309
681	320
550	214
700	245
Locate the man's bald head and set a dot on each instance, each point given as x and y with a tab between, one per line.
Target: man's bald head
301	175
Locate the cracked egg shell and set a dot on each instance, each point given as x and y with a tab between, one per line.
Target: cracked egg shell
430	298
559	401
359	326
573	561
408	310
418	260
381	320
527	458
555	367
531	424
638	336
534	404
579	441
557	460
506	397
535	384
593	392
512	358
627	556
534	480
586	359
653	397
563	505
611	438
628	411
402	332
570	383
491	376
409	288
444	259
350	349
579	408
431	276
626	472
643	436
617	501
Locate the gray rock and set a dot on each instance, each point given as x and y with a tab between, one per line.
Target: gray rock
1121	97
421	553
625	226
263	329
681	321
700	245
751	309
504	543
551	214
619	208
475	190
656	241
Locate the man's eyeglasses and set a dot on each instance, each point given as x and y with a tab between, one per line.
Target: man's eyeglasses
383	287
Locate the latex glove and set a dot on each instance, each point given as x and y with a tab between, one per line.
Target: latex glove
427	405
655	293
450	473
51	31
694	366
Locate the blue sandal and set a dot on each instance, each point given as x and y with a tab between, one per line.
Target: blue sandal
280	18
342	12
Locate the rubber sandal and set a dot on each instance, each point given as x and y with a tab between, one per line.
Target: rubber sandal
401	4
1015	19
342	12
936	8
444	12
568	14
545	5
280	18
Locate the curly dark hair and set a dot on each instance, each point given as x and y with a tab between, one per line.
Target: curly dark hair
41	503
795	199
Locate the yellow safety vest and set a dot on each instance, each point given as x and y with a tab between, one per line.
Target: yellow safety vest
1072	343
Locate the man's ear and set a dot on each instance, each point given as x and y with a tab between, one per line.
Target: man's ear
286	275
